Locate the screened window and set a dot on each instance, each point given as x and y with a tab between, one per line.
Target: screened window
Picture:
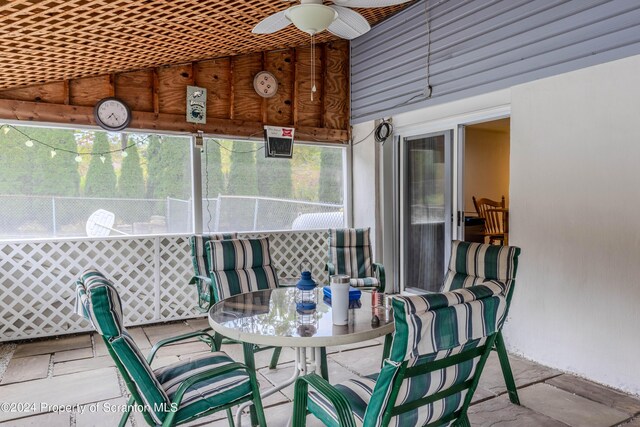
57	182
244	191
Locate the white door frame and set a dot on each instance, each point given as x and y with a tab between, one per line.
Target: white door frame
454	124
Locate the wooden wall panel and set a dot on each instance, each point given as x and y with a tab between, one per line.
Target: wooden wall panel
135	89
86	92
309	112
157	96
247	104
172	92
279	108
215	76
53	93
336	91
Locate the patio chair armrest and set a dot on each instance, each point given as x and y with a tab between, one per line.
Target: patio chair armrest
171	340
177	397
322	386
378	270
196	279
330	268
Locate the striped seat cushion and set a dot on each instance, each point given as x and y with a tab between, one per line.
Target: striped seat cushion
99	299
350	252
149	388
198	245
240	266
206	394
364	281
475	263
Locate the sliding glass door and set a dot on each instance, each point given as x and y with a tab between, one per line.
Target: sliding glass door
426	210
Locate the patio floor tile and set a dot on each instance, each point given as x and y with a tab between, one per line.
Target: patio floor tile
156	333
105	413
53	345
597	393
633	423
26	368
501	412
524	371
138	335
51	419
72	389
67	355
358	361
82	365
569	408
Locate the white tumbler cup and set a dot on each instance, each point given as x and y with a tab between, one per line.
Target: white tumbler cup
340	299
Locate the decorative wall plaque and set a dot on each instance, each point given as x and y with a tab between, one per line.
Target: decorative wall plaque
196	104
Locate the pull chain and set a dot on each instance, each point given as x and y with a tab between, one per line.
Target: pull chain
313	65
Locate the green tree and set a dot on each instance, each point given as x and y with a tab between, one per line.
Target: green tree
58	175
131	180
101	177
168	168
243	179
330	189
274	176
213	179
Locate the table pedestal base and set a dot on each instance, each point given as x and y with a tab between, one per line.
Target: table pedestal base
301	366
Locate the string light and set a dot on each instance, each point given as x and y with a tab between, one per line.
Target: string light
30	142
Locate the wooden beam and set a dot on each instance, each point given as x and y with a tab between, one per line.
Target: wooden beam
263	106
111	82
294	85
67	92
232	97
70	114
155	84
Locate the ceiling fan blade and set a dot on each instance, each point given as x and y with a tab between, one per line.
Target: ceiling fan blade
349	24
368	3
271	24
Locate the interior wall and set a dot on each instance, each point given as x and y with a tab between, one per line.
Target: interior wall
364	187
575	198
486	166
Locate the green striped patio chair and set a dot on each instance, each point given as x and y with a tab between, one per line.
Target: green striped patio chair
350	253
174	394
440	346
200	261
239	266
475	263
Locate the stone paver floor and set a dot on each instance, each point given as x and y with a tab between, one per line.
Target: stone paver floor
77	374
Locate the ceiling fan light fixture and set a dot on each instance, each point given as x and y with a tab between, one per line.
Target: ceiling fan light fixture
311	18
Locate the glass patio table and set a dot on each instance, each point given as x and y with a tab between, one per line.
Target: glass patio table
270	317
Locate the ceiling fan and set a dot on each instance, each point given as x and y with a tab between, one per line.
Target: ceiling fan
312	17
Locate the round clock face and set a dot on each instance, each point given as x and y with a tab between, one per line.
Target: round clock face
112	114
265	84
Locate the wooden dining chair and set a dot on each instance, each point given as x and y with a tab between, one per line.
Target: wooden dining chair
496	219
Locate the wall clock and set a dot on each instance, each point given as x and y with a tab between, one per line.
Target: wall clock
265	84
112	114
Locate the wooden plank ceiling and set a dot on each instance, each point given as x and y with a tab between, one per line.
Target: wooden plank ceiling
59	57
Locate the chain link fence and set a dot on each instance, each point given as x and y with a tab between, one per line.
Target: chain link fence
24	217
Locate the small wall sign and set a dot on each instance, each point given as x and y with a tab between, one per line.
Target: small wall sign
278	142
196	104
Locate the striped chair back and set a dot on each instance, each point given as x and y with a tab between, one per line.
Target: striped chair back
475	263
350	252
439	347
98	301
239	266
199	253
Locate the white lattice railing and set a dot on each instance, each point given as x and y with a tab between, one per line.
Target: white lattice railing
36	278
